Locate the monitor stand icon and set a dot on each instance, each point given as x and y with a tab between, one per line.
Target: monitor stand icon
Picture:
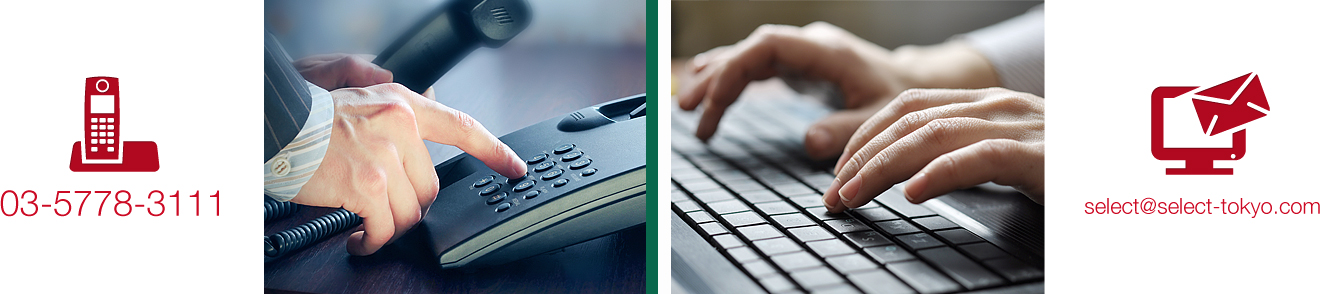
101	149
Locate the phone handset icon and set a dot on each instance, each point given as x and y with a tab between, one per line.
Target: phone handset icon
101	148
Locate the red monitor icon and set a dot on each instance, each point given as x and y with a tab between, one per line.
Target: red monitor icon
102	150
1220	108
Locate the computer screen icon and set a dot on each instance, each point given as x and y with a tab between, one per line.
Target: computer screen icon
1221	112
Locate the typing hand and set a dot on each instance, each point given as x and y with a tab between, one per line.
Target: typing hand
867	75
944	140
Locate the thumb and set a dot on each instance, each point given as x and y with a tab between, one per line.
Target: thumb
827	137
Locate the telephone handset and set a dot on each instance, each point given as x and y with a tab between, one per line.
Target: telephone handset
586	178
446	35
101	121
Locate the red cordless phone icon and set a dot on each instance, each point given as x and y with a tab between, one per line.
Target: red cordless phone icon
101	120
101	149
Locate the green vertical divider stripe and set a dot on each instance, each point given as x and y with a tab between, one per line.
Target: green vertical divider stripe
653	169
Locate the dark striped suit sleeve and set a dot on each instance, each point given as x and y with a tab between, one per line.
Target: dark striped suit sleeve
288	101
298	122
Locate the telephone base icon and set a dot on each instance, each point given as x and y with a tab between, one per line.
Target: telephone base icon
138	156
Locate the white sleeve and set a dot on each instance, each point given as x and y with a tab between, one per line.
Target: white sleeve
1016	48
293	166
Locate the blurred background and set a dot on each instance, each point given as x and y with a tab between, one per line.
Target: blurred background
701	25
573	54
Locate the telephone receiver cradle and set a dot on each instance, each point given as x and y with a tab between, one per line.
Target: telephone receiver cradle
586	178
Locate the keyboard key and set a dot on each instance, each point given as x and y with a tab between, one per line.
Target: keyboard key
777	246
760	232
812	233
744	187
792	220
727	176
760	196
773	208
831	247
700	217
836	289
727	207
807	201
961	268
879	282
760	268
983	251
678	195
822	214
742	219
897	227
849	225
889	254
687	206
728	241
935	223
777	284
1014	270
919	241
795	261
792	189
817	278
743	254
867	239
851	263
712	196
712	229
893	198
699	185
922	277
959	236
876	214
820	180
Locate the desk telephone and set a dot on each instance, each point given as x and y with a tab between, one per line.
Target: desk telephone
586	170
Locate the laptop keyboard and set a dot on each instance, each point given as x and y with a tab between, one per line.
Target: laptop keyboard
752	195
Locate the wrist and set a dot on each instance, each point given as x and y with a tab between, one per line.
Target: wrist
954	64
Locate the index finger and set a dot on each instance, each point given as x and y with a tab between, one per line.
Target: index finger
756	58
442	124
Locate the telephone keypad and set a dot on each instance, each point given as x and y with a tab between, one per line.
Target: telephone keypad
497	198
580	164
543	168
482	182
490	190
552	174
537	159
524	186
564	148
571	156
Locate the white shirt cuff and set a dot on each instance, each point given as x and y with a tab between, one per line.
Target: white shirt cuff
293	166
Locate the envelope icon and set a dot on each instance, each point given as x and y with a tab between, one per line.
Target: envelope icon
1230	104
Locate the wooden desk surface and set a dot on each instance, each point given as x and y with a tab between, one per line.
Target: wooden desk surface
505	90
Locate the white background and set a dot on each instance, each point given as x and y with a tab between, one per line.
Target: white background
1104	59
189	76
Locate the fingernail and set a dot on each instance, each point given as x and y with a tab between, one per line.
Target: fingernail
819	139
849	189
383	76
828	205
832	190
519	167
915	187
